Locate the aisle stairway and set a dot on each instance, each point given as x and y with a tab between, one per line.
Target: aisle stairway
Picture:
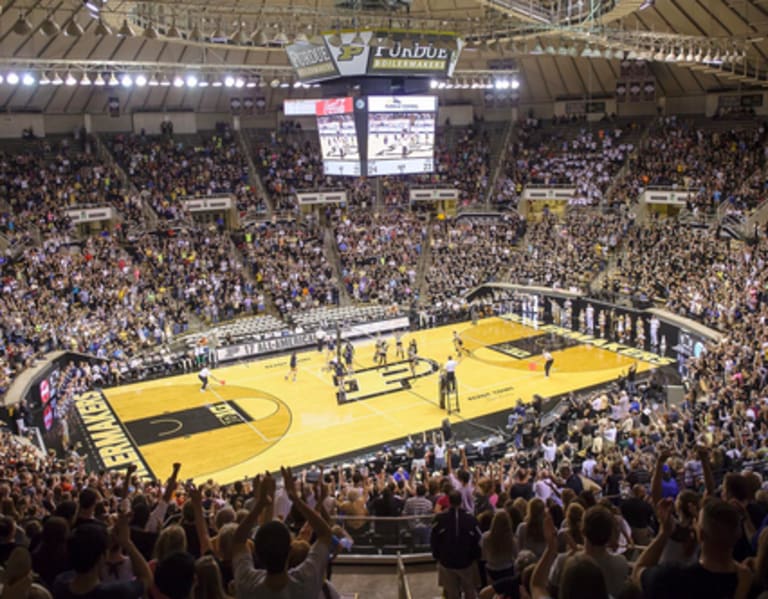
334	258
425	261
254	176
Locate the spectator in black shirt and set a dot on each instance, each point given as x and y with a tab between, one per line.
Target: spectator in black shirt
522	487
86	508
638	513
714	576
7	538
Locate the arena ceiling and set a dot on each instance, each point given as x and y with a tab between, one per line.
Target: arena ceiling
561	49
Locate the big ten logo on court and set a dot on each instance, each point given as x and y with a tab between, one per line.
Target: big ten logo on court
348	52
225	413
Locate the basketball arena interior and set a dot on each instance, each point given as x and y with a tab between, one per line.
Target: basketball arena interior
384	298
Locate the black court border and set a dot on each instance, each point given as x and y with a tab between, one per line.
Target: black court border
93	451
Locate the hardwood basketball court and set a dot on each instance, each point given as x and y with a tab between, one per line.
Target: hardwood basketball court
258	420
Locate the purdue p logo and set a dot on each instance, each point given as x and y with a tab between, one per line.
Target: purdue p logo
347	53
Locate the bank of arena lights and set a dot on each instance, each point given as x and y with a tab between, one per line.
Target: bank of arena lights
129	78
480	82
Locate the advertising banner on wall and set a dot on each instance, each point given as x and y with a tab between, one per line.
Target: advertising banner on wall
376	53
311	62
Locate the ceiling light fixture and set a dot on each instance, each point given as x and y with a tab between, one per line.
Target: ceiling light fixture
173	31
57	80
99	80
102	28
195	35
44	80
49	27
259	38
238	37
12	78
85	79
73	28
22	26
126	30
150	32
70	80
141	80
112	80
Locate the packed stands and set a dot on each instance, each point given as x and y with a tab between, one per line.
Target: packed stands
615	488
167	168
379	254
289	161
286	259
40	178
719	161
567	254
581	155
469	251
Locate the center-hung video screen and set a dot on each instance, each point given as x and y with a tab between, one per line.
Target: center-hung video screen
338	136
401	134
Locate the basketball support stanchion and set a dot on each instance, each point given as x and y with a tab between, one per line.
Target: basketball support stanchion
448	391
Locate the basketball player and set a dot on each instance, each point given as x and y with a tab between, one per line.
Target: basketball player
330	344
399	351
294	367
590	314
338	370
655	324
413	359
203	376
413	349
458	344
383	354
349	356
548	361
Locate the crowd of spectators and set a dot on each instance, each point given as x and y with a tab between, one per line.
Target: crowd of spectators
168	167
287	260
291	162
716	164
584	158
470	251
113	299
379	254
625	494
41	178
568	254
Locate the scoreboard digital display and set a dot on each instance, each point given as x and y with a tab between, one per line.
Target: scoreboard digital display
373	135
338	137
401	134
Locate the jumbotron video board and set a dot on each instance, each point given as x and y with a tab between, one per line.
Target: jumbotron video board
401	134
373	135
338	136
